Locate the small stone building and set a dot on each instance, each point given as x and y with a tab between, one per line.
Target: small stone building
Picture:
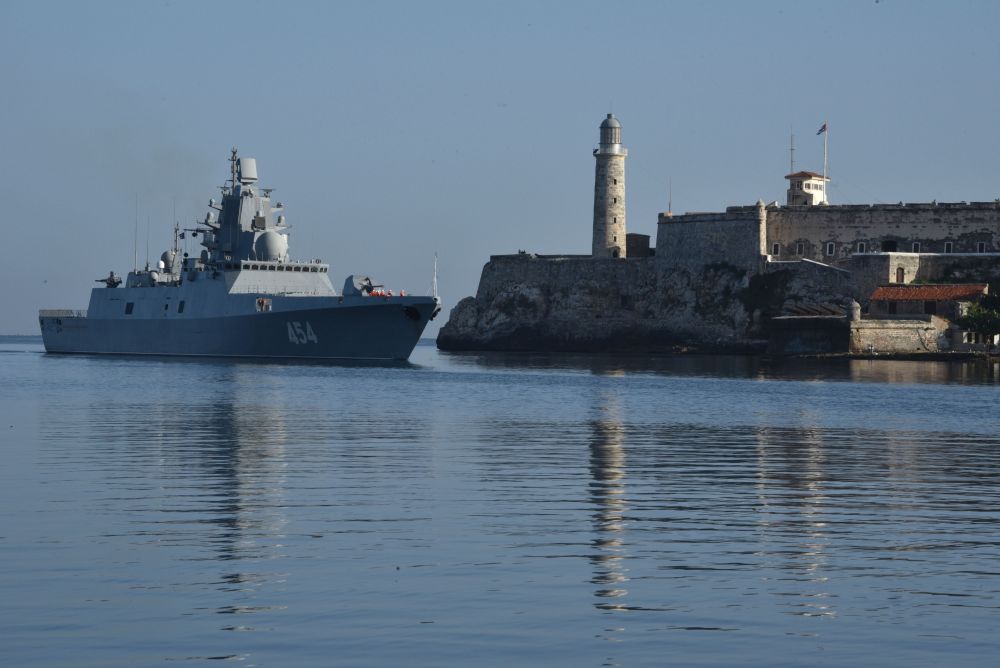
947	301
806	189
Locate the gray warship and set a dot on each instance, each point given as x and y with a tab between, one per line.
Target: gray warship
241	296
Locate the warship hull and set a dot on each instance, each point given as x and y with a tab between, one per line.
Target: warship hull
376	330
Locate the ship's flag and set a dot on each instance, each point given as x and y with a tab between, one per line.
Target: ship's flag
821	130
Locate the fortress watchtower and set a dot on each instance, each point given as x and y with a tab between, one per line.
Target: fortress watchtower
609	191
807	188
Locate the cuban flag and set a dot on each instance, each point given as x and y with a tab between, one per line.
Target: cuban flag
821	130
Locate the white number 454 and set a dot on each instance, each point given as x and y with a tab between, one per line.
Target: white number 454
298	334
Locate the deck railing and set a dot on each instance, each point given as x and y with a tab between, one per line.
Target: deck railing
61	313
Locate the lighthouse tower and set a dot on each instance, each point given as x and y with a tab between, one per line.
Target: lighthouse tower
609	191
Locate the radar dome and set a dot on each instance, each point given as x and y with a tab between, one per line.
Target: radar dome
271	246
167	260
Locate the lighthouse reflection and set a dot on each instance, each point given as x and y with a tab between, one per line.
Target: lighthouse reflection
607	494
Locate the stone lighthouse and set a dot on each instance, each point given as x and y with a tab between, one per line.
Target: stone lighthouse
609	191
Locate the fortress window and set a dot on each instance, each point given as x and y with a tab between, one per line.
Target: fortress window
947	247
166	306
615	181
615	219
616	200
128	308
980	246
916	246
776	249
830	248
862	247
799	249
180	306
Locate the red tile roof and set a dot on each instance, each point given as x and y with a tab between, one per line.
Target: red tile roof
929	293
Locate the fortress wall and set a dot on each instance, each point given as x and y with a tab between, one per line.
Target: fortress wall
870	270
810	283
950	268
895	336
691	241
930	224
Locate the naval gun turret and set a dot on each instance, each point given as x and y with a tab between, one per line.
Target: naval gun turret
112	280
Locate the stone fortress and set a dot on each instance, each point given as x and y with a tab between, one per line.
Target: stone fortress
724	280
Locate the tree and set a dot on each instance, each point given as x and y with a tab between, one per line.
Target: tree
982	320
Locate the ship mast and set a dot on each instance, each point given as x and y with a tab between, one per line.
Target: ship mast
232	166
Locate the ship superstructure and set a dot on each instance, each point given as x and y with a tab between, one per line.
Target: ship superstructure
242	296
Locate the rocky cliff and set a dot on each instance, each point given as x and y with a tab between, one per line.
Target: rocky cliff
573	303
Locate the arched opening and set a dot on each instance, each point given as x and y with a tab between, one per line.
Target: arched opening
614	253
900	274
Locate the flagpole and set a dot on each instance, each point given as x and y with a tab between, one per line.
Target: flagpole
826	136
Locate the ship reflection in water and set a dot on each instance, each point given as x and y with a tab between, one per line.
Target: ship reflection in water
205	480
792	532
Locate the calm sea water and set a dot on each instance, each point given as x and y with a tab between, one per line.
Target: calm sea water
498	510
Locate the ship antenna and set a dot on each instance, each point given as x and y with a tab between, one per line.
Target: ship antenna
135	237
434	281
670	197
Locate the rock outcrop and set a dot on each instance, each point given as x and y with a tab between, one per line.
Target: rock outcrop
571	303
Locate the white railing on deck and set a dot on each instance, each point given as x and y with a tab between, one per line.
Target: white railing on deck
61	313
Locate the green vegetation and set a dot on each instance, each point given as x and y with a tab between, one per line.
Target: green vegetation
984	317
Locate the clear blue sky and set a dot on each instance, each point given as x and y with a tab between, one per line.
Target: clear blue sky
394	130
